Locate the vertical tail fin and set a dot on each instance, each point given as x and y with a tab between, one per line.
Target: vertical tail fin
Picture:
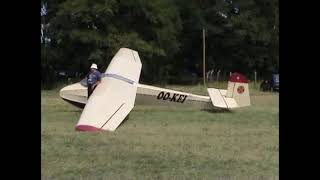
238	89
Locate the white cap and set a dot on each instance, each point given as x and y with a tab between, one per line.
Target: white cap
94	66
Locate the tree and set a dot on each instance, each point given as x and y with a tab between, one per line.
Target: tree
241	36
93	30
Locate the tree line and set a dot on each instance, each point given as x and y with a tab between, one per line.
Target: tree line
241	36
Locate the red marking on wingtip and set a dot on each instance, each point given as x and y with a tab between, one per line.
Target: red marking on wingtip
87	128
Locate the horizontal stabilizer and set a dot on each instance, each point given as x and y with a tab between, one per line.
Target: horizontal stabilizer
231	103
219	99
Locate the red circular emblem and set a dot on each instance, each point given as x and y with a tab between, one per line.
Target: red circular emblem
240	89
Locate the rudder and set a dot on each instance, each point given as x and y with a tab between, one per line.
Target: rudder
238	89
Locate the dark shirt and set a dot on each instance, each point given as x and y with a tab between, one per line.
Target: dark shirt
93	77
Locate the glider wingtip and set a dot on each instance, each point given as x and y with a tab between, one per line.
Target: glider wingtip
86	128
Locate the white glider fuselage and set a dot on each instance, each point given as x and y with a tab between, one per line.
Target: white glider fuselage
76	94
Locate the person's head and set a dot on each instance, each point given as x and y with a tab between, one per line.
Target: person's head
94	66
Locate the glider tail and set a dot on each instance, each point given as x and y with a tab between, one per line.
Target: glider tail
238	89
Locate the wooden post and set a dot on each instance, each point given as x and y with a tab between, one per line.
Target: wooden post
204	58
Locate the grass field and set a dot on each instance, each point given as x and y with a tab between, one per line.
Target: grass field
164	143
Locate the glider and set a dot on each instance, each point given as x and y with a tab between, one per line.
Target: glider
120	90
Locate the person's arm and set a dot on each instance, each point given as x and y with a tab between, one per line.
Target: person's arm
99	78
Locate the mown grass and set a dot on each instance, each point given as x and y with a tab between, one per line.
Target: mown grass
164	143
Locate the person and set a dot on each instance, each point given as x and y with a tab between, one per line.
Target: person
93	79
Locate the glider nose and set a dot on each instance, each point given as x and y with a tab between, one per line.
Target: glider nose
87	128
75	89
65	92
74	94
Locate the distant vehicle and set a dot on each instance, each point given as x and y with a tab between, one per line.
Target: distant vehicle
62	73
271	84
65	74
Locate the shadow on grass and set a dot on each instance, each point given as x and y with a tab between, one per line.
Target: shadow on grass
125	119
73	110
217	110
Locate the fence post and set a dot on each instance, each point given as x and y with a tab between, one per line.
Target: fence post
207	76
255	78
211	75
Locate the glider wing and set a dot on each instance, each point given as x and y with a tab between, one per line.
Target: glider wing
114	97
